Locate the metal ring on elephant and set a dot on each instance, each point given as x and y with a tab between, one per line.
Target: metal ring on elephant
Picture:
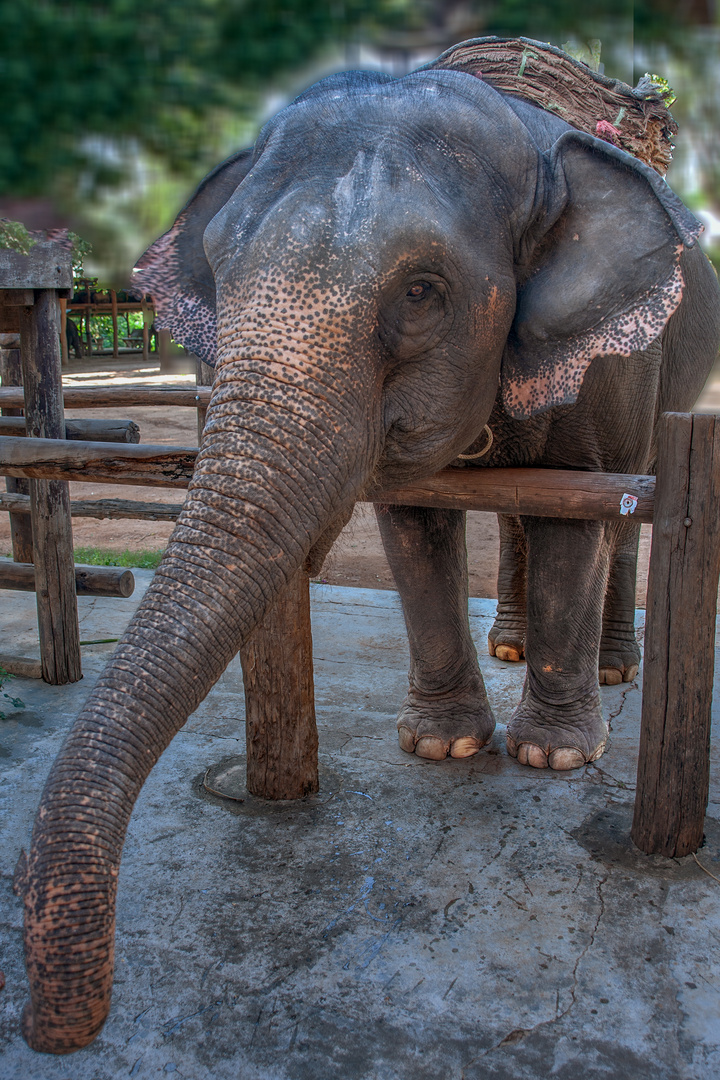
485	450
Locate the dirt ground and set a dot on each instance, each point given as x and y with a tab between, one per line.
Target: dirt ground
357	558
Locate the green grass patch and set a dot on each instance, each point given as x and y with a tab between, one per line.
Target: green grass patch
93	556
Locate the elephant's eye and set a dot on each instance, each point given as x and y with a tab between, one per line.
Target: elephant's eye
418	290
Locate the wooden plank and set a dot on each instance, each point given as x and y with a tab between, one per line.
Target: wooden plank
105	307
46	266
89	580
97	397
116	463
543	492
102	508
281	732
26	667
9	320
116	431
50	501
673	767
20	527
17	297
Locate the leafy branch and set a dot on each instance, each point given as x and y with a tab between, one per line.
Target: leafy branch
15	237
14	701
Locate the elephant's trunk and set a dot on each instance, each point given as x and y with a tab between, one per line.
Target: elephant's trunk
250	521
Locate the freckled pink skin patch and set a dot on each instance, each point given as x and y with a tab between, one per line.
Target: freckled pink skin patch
189	318
562	371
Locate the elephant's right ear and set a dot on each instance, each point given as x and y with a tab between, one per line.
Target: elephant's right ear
603	279
175	272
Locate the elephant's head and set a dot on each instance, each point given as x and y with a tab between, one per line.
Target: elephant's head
388	256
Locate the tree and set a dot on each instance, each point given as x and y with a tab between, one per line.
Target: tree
115	108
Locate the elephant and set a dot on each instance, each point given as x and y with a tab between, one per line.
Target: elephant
396	266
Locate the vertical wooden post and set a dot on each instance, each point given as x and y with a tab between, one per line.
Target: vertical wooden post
64	351
163	340
204	376
673	769
277	668
50	501
147	319
113	302
20	524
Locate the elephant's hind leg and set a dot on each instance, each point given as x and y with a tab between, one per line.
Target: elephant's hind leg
506	639
559	721
446	711
619	650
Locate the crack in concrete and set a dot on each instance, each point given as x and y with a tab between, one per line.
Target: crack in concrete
518	1034
606	779
623	696
213	734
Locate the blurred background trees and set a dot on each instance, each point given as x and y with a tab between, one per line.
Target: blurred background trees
113	109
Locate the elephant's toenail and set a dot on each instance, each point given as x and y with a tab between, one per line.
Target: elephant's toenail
430	747
610	676
406	740
631	673
464	747
566	757
507	653
529	754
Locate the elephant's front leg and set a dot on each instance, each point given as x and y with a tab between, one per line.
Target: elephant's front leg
506	639
446	710
559	721
619	650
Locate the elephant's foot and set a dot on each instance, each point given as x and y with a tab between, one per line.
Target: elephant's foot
455	724
619	656
506	639
549	736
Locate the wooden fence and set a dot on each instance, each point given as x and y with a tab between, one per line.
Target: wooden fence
682	503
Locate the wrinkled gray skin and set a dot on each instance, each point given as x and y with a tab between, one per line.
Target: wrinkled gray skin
395	266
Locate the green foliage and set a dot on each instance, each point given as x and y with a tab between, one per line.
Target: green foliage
15	237
78	76
663	88
92	556
14	701
102	328
116	109
80	248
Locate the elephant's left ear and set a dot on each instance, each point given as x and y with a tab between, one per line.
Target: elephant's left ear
603	280
175	271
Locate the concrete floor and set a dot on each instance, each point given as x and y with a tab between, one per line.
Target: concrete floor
414	921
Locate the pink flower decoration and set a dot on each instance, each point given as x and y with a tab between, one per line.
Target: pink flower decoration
606	131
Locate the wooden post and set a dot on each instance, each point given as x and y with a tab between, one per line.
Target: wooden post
204	375
673	768
277	668
113	301
163	344
20	524
64	351
50	501
147	320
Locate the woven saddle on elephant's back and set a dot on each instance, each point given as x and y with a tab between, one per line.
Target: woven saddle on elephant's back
637	120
